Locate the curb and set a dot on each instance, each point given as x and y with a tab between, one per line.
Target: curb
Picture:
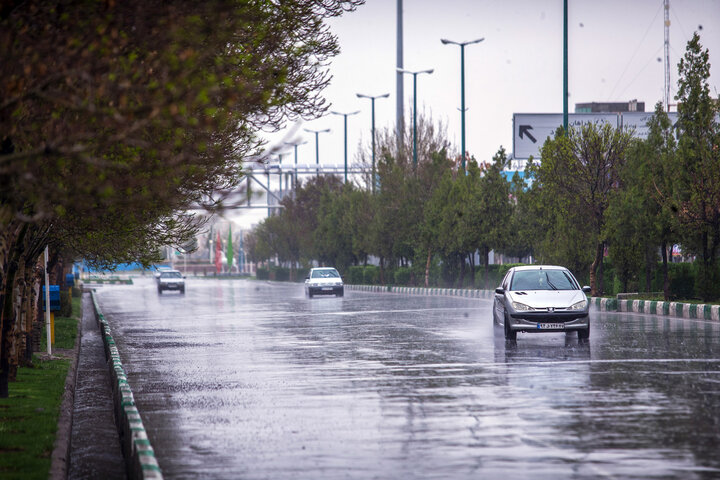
60	457
676	309
139	454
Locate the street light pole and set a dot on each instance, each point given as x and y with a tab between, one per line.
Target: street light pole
415	74
462	89
295	144
372	101
317	146
345	115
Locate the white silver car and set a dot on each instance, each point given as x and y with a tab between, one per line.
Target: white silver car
324	281
171	280
541	298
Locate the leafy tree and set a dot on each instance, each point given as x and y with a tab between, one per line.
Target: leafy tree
115	116
696	168
495	210
578	173
638	222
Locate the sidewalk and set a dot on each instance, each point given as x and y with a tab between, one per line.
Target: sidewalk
95	450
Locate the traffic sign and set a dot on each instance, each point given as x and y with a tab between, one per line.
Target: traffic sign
530	130
639	122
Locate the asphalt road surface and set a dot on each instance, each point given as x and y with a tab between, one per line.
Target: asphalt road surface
251	380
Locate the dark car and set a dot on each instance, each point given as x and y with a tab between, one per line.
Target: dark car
541	298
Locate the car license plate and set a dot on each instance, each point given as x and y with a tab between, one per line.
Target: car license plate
551	326
327	289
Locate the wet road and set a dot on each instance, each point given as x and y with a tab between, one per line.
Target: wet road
242	379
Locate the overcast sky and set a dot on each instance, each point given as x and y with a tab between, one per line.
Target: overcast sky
615	54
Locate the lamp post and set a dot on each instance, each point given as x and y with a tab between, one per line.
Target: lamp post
462	89
415	74
345	115
317	146
372	101
295	144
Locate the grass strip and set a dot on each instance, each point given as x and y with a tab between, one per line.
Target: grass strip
29	416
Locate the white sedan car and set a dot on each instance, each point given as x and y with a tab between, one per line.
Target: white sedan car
324	281
541	298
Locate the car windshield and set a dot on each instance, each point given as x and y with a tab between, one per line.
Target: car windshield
171	275
542	280
329	273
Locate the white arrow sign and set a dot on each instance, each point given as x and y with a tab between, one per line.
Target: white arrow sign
530	130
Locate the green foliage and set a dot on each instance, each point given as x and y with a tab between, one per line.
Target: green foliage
402	276
355	275
371	275
28	419
262	273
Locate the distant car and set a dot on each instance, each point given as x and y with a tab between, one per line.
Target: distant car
324	281
159	270
541	298
171	280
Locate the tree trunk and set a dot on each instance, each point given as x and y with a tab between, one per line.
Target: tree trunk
471	258
666	278
486	261
596	269
427	268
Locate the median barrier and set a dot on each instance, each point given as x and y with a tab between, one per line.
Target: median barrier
652	307
138	452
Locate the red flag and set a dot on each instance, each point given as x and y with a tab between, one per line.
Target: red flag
218	254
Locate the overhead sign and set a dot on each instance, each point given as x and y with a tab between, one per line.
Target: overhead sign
530	130
639	122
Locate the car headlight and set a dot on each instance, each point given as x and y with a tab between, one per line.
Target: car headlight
521	307
579	305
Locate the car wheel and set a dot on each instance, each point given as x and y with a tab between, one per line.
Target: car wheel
509	334
160	290
182	291
341	292
585	333
310	294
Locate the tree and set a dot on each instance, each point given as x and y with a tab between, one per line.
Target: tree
578	172
695	199
638	221
115	116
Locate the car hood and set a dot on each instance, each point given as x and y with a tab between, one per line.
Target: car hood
547	298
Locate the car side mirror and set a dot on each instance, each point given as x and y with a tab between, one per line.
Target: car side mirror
500	291
307	278
586	289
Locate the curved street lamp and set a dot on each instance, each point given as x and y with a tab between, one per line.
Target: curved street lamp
295	145
345	115
372	101
415	74
317	146
462	88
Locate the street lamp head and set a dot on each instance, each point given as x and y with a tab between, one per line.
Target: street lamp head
445	41
316	131
345	114
384	95
402	70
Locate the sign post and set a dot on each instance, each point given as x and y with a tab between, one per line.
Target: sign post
48	319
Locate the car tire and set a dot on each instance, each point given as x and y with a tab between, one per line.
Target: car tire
341	292
182	291
584	334
510	335
159	290
310	294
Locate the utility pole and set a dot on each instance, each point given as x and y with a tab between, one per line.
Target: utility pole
400	94
667	55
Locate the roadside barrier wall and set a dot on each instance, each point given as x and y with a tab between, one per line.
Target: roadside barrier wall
139	454
675	309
